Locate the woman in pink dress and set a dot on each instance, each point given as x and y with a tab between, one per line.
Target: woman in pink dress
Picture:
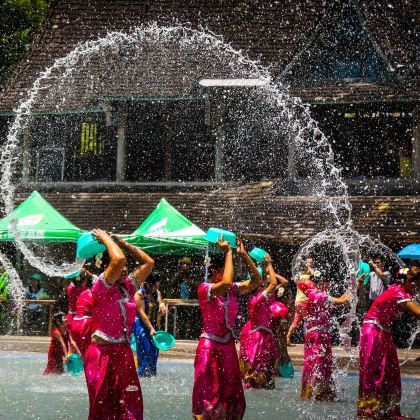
379	380
112	381
218	391
259	354
317	380
76	287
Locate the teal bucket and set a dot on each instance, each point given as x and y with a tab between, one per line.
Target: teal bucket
258	255
74	365
88	246
214	234
72	275
133	343
163	340
364	268
286	370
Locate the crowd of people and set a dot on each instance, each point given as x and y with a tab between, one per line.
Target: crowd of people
105	310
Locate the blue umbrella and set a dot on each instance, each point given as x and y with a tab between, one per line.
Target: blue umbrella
410	252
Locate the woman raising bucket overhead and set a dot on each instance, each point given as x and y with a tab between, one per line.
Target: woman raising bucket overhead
218	391
112	381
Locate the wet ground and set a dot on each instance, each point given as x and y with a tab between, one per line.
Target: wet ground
26	394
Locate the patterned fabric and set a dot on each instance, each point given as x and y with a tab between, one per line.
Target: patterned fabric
113	384
259	354
218	391
81	326
317	381
379	379
147	352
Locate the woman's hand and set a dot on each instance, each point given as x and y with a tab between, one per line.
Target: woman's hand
240	247
116	238
100	235
267	259
223	245
152	332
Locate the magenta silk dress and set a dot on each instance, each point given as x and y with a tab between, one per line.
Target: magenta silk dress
317	380
112	381
81	326
259	354
73	293
379	380
218	391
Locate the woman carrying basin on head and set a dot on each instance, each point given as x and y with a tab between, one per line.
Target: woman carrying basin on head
218	391
379	379
112	381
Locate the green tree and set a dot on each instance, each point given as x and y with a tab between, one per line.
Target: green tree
19	20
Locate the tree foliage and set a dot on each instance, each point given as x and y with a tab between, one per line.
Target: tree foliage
19	20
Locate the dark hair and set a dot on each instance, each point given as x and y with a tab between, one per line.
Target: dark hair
150	282
106	260
58	318
217	261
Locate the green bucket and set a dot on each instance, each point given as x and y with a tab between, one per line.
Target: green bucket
163	340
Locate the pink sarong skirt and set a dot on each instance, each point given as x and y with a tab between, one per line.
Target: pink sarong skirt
218	391
317	380
258	358
81	333
379	379
112	382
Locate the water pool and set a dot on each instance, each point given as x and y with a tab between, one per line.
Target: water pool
26	394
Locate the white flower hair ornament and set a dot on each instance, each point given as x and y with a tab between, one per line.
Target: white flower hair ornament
98	260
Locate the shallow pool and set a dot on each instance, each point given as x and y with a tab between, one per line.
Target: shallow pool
26	394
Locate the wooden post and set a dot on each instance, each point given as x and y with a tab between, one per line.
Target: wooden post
26	158
121	147
416	144
291	156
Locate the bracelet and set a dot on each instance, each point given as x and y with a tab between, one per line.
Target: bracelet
230	252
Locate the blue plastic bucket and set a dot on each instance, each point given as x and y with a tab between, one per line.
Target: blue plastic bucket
258	255
163	340
214	234
88	246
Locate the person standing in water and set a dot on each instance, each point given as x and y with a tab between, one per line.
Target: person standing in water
300	301
61	342
149	304
379	378
317	380
218	391
259	354
112	381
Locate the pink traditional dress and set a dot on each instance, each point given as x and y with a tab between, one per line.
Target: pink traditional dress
81	326
73	293
218	391
259	355
112	381
55	365
317	380
379	380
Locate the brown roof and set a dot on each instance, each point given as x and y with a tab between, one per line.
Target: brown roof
254	210
272	32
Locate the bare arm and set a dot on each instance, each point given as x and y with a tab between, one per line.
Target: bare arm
379	272
139	298
58	336
248	285
162	307
118	261
342	299
74	345
225	284
144	270
282	280
413	308
273	279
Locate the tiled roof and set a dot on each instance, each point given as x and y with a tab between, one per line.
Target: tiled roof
272	32
253	210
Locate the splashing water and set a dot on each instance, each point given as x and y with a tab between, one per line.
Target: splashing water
144	62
